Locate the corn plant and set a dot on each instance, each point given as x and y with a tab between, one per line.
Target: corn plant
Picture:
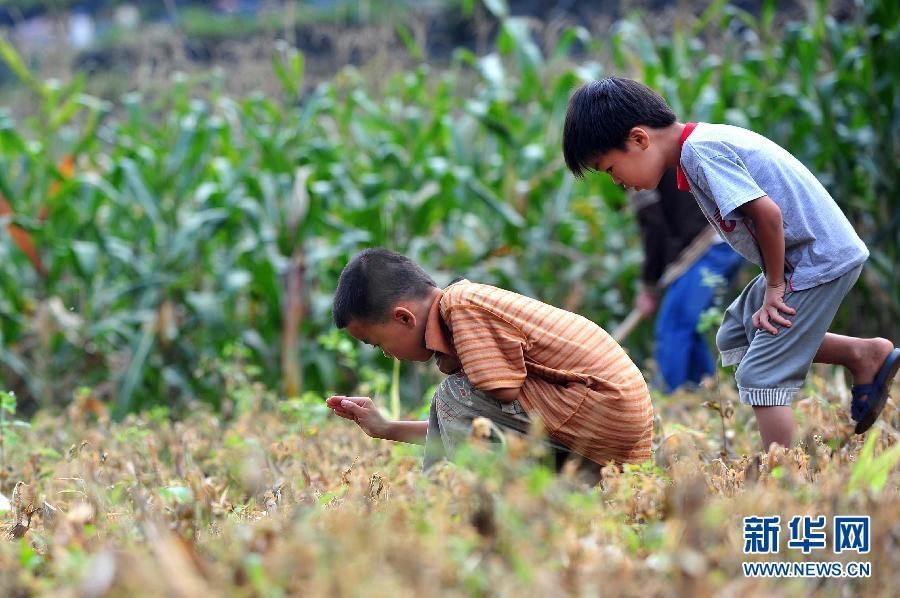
172	229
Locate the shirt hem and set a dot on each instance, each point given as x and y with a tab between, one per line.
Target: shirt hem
800	283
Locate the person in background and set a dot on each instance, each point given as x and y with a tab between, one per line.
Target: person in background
686	265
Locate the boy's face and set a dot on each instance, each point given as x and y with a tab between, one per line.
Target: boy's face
401	336
640	166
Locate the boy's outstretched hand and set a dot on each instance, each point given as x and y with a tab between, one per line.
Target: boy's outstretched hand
362	411
772	308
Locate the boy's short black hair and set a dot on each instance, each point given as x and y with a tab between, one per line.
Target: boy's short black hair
373	281
600	115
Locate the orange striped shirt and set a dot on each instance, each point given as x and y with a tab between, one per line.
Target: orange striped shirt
569	371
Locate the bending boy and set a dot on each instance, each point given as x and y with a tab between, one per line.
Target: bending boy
775	213
509	358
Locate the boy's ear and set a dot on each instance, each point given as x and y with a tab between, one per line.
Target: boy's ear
640	137
403	315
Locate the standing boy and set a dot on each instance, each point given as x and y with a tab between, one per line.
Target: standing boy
509	357
775	213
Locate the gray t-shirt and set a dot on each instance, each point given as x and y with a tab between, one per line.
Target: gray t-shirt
728	166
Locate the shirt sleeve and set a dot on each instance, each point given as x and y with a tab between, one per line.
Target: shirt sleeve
727	181
490	349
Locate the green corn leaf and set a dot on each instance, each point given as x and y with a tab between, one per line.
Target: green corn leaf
17	66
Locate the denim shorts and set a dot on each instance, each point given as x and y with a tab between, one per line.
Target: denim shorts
772	367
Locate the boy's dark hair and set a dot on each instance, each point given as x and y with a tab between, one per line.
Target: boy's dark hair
373	281
600	115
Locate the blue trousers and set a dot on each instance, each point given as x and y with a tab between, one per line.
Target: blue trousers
682	354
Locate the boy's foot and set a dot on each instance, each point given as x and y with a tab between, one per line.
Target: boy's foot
869	399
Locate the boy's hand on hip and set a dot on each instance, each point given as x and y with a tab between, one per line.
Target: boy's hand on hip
362	411
773	306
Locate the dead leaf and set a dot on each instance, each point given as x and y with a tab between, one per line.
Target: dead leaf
23	508
481	428
49	515
751	473
376	487
677	446
81	514
177	561
345	475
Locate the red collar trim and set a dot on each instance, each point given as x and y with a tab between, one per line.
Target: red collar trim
683	183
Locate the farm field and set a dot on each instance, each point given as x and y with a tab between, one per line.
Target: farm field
172	229
277	503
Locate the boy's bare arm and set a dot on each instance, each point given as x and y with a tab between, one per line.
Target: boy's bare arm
411	431
365	414
766	217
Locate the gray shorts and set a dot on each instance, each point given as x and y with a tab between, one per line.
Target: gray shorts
772	367
456	403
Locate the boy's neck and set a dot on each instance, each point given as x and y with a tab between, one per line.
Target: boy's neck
670	138
434	339
426	304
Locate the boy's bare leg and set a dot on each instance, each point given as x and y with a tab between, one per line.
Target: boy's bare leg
863	357
776	424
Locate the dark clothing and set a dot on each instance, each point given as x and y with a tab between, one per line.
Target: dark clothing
669	221
686	261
